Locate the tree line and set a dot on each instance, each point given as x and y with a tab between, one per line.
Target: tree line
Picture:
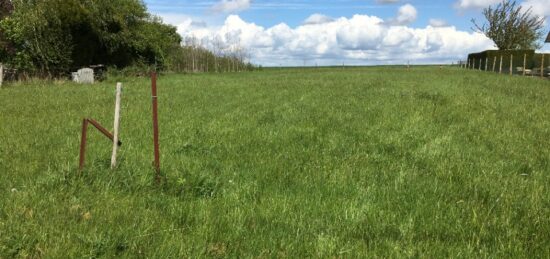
50	38
213	56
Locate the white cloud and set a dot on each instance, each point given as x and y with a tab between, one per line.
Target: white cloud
405	15
539	7
438	23
360	39
231	6
318	19
475	4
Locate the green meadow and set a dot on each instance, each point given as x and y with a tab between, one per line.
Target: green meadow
291	163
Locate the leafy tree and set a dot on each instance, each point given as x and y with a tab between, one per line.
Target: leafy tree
6	8
511	27
55	36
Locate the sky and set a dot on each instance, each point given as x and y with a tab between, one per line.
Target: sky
335	32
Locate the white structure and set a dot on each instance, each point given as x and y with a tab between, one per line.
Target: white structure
83	76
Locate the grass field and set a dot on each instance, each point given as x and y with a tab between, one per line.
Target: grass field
357	162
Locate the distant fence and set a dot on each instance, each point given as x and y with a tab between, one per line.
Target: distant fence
522	62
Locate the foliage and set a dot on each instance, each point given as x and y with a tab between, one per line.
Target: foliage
6	8
294	163
56	36
511	27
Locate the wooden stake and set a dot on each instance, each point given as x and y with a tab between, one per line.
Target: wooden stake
83	144
500	69
116	125
479	64
524	63
542	66
1	74
156	162
494	63
511	64
486	63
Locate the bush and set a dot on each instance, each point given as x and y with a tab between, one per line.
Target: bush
52	38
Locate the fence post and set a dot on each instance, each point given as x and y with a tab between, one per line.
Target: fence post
500	69
155	126
83	144
524	63
1	74
116	125
494	63
542	66
511	64
479	64
486	63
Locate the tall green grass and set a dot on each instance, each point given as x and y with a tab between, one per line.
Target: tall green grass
355	162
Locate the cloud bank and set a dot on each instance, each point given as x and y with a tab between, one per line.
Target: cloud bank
361	39
539	7
231	6
475	4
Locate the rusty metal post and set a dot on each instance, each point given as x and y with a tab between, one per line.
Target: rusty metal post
155	125
83	144
101	129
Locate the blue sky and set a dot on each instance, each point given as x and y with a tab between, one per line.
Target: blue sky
269	12
331	32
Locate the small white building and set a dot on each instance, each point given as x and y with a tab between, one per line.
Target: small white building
83	76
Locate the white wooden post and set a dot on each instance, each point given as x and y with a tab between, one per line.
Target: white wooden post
486	63
500	70
479	64
117	124
494	64
524	63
